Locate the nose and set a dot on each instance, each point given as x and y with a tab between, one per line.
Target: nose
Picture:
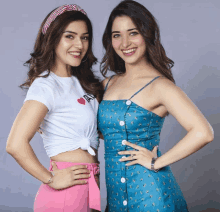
125	41
78	43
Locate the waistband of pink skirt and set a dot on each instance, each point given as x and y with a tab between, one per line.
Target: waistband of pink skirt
62	165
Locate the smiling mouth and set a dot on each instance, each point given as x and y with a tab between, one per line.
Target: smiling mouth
75	54
129	52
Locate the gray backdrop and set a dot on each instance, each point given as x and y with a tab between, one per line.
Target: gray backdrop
190	34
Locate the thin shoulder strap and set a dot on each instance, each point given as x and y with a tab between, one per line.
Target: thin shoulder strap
144	86
106	86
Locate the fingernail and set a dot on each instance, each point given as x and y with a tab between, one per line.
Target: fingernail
119	153
119	159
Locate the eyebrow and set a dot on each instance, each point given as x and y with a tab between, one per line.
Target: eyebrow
127	30
75	32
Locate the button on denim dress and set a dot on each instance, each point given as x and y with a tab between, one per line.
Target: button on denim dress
135	188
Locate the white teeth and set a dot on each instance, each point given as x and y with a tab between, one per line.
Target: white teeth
75	53
129	51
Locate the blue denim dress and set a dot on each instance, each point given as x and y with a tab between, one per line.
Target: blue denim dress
135	188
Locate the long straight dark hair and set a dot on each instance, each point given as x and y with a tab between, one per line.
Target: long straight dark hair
148	28
43	57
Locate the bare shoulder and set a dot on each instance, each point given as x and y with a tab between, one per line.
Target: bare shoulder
106	80
166	91
179	105
162	85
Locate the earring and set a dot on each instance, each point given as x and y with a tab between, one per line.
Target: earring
85	59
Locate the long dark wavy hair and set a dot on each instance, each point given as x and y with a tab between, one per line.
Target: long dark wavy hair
148	28
43	56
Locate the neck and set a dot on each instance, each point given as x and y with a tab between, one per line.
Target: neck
141	69
61	70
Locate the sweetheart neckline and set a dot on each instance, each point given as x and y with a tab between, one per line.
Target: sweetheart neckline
135	104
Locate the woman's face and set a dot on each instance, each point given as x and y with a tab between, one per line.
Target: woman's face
127	42
73	44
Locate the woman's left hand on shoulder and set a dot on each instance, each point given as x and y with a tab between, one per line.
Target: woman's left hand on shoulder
140	155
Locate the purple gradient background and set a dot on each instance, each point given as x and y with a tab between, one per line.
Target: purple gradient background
190	33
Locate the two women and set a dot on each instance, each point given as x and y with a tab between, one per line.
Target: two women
61	101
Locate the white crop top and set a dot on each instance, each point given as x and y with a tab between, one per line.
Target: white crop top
71	121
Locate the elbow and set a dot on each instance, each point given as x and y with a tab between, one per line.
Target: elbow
13	149
209	137
209	134
10	150
205	136
15	152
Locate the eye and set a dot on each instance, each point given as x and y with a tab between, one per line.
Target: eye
134	33
69	36
116	35
85	38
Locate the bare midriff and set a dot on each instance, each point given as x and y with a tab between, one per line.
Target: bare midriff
76	156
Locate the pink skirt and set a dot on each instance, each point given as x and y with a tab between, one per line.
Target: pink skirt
76	198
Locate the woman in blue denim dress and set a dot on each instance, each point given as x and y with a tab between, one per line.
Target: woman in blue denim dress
130	117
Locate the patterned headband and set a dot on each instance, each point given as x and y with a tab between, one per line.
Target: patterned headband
60	10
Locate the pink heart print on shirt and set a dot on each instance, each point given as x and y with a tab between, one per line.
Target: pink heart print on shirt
81	101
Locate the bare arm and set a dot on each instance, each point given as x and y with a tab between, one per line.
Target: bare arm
24	128
199	131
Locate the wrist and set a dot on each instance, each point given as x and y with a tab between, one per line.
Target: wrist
153	160
157	164
49	179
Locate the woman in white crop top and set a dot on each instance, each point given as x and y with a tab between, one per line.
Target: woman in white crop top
61	104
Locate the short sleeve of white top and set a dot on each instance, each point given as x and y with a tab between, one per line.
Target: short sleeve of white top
71	121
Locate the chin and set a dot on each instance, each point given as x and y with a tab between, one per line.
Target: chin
75	64
131	61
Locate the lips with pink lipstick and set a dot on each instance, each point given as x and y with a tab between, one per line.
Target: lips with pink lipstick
129	52
75	54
